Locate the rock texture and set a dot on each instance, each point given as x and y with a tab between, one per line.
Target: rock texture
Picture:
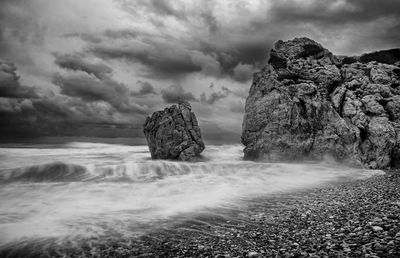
308	103
174	133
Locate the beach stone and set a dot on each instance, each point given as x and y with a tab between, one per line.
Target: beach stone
377	228
174	133
307	104
252	254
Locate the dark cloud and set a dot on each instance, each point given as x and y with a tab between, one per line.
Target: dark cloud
89	88
214	96
206	48
10	86
336	12
125	33
85	37
60	116
208	63
167	57
76	63
249	42
211	22
361	25
99	87
175	92
243	72
246	51
145	89
23	113
162	59
162	8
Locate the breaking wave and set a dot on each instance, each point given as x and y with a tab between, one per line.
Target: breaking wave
53	172
83	190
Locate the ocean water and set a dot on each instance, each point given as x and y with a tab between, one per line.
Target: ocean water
76	191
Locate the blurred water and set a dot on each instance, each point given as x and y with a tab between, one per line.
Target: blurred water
81	190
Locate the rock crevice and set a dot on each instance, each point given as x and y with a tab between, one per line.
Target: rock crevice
308	103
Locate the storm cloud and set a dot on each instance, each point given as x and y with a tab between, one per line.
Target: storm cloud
214	96
76	63
160	63
145	89
107	64
175	92
25	113
95	84
10	86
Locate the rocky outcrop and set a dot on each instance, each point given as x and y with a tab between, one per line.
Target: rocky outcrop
174	133
308	103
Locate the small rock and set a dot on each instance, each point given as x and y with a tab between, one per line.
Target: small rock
377	228
347	250
377	220
252	254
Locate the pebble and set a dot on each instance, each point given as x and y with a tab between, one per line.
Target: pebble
252	254
377	228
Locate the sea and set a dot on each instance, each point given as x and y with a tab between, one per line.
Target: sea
74	191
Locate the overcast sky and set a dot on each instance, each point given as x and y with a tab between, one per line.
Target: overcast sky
99	67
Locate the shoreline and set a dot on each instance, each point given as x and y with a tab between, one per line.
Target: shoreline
360	218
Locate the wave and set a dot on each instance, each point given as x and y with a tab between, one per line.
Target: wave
128	172
153	170
82	190
52	172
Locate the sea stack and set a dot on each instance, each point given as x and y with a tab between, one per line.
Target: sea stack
307	103
174	133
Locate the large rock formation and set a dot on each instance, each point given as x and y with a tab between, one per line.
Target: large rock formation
308	103
174	133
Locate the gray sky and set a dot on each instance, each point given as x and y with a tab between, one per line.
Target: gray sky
99	67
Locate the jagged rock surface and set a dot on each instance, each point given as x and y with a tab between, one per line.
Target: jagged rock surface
174	133
307	103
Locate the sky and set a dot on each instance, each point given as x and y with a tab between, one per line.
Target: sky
100	67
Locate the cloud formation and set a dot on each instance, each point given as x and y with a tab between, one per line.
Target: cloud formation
145	89
175	92
159	62
76	63
94	84
10	86
107	63
243	72
214	96
25	113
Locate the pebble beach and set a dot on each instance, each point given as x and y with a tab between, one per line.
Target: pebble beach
355	219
